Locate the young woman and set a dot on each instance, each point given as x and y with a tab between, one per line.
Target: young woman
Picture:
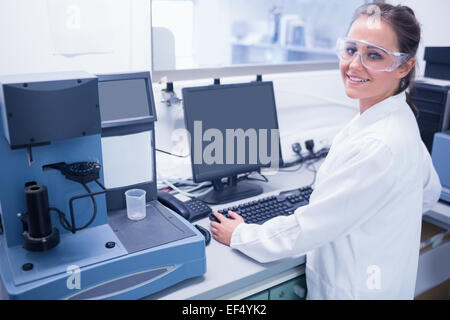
361	229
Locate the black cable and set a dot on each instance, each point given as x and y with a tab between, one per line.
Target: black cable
62	219
246	177
94	214
313	156
172	154
294	170
70	226
308	160
314	171
264	178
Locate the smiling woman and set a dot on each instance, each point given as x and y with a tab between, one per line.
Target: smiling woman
366	84
387	61
364	189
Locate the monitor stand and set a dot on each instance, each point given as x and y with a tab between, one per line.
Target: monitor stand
232	191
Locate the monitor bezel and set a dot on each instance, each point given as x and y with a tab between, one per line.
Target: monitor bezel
201	177
150	99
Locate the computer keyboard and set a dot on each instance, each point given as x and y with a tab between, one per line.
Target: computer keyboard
261	210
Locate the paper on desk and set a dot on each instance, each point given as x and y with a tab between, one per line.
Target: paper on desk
127	160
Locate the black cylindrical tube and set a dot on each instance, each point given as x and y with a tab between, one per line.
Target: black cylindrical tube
38	215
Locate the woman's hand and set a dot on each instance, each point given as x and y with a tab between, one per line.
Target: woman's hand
222	231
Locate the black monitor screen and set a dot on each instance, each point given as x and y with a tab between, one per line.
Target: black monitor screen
233	129
123	100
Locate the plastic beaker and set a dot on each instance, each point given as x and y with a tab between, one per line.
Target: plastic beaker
135	199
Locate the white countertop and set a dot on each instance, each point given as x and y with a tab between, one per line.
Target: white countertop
229	273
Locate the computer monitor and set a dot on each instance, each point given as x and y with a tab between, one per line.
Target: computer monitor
127	112
233	130
126	99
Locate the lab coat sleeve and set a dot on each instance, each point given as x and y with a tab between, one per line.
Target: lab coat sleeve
357	186
431	183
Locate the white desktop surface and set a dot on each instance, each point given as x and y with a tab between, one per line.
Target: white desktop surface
229	273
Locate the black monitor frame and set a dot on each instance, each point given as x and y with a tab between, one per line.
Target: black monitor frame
151	101
115	198
231	190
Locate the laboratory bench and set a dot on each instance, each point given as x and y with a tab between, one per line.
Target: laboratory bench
232	275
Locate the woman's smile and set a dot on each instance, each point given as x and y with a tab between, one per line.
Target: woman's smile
354	80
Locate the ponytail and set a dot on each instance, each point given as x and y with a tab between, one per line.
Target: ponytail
411	104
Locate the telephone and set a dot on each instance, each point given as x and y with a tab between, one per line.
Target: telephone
191	210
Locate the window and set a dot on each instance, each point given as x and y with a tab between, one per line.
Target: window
192	34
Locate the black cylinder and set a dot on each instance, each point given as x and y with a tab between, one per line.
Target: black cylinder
38	215
169	87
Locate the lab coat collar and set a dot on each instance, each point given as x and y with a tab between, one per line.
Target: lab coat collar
377	112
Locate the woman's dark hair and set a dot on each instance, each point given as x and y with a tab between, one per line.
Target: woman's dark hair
407	29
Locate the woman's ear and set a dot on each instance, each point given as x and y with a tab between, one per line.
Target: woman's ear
405	68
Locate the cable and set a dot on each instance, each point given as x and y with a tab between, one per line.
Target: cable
94	214
187	194
309	160
294	170
247	177
181	182
312	156
178	182
62	218
314	171
201	185
172	154
70	226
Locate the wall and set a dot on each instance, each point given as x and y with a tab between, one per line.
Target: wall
50	35
29	44
433	15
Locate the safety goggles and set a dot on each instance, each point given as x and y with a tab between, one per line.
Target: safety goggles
372	56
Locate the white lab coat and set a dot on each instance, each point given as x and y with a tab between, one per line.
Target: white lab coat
361	229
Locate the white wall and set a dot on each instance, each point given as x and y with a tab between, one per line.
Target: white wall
434	16
109	36
210	49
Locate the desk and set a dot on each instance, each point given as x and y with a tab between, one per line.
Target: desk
229	273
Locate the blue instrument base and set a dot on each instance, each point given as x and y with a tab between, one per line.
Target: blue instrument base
102	273
53	120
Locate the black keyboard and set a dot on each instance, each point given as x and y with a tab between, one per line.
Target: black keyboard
261	210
